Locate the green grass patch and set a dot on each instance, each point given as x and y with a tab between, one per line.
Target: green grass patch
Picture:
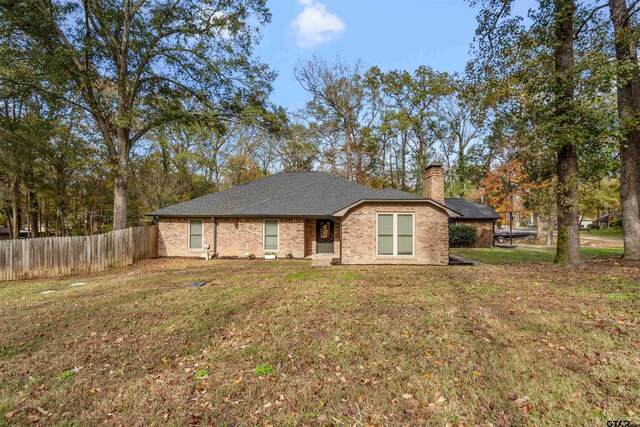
349	276
202	373
67	374
609	232
620	296
300	275
263	370
528	254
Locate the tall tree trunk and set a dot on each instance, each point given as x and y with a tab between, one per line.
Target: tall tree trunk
349	153
539	228
403	183
121	184
550	226
628	81
32	203
568	248
15	213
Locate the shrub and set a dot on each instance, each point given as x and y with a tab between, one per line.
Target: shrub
262	370
462	236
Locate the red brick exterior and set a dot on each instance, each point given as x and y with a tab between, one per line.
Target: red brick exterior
431	234
234	237
433	183
173	237
237	236
310	238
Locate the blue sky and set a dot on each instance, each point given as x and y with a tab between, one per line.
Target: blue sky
400	34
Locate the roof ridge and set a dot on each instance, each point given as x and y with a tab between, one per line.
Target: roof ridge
281	194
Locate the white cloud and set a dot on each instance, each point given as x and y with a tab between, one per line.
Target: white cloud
314	25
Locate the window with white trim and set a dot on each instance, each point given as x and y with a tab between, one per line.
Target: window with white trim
196	231
270	234
395	234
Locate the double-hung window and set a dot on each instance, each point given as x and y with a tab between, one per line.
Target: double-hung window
195	234
395	234
271	234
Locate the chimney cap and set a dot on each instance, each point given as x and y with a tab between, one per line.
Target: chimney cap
434	165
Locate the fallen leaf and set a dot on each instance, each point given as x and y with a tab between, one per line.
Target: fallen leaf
165	360
521	401
407	396
119	340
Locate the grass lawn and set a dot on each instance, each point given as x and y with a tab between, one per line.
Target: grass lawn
279	343
529	254
608	232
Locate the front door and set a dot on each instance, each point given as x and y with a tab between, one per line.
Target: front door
324	236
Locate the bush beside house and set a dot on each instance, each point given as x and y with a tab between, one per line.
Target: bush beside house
462	236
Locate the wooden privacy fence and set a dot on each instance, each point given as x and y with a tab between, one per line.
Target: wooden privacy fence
65	256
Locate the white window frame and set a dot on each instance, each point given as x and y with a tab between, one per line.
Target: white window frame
189	236
264	234
395	234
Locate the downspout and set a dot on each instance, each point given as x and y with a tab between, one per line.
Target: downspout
214	251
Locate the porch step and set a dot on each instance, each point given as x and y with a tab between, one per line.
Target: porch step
321	260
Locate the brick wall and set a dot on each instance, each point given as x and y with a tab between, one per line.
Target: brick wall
309	237
485	231
311	242
433	182
173	237
431	234
234	237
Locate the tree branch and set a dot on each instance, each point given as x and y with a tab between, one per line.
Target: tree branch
589	18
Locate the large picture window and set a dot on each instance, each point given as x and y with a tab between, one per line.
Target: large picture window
270	234
195	233
395	234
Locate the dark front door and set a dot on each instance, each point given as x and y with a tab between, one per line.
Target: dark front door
324	236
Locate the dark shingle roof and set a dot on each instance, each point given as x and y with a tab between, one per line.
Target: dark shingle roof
393	194
471	210
284	194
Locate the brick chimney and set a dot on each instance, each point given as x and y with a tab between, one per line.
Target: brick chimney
433	182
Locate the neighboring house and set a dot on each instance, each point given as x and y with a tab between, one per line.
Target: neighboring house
5	234
313	214
480	216
605	221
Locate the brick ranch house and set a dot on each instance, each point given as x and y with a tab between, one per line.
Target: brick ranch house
311	215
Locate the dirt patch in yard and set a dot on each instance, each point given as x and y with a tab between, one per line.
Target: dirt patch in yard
279	343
